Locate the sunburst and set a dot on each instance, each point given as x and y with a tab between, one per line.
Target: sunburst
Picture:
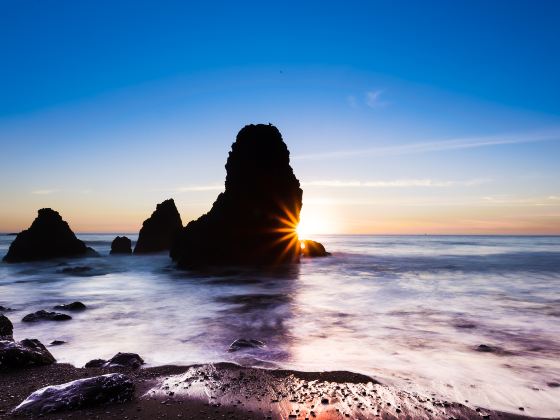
288	222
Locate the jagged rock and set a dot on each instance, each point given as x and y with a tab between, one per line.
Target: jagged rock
6	327
74	306
88	392
43	315
131	360
311	248
48	237
121	245
253	221
28	352
243	343
159	231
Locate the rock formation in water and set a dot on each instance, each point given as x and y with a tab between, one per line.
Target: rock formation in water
48	237
43	315
253	221
159	231
74	306
121	245
311	248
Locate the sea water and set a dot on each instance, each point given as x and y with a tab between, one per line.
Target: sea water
410	311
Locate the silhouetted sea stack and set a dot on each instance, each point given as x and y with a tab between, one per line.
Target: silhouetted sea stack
121	245
48	237
254	220
160	229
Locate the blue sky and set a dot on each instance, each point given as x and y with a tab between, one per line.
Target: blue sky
401	117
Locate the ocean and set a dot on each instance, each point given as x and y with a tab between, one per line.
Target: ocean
410	311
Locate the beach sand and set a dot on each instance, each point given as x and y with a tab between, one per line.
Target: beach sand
226	390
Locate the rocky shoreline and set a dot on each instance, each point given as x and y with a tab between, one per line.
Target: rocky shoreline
226	390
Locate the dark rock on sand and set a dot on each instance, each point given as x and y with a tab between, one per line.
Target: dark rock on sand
6	327
311	248
130	360
160	230
43	315
244	343
48	237
96	363
253	221
126	360
74	306
58	342
121	245
89	392
28	352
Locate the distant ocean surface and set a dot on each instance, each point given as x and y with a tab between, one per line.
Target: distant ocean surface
408	310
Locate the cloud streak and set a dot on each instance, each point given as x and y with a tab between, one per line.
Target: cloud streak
439	146
43	192
399	183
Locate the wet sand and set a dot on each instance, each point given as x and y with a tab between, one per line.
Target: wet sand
225	390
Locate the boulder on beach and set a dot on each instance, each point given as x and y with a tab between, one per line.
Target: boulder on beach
121	245
159	231
130	360
88	392
74	306
49	236
253	221
96	363
6	328
28	352
43	315
311	248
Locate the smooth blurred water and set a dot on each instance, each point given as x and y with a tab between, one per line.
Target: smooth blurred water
409	310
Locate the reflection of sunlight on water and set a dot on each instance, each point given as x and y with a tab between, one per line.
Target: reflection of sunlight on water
405	310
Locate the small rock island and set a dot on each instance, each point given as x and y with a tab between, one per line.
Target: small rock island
159	231
49	236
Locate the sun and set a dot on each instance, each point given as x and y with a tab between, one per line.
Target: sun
313	221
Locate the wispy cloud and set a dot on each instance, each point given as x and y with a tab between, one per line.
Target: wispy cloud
374	100
352	101
43	192
398	183
550	201
439	145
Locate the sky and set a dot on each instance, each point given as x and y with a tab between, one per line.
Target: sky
402	117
